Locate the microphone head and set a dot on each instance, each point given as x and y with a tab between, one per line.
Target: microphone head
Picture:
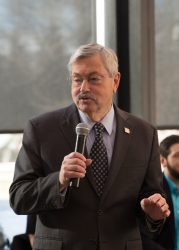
82	129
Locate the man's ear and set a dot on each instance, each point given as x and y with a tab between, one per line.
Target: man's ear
163	161
117	78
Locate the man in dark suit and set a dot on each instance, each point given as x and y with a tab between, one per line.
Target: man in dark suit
98	214
168	239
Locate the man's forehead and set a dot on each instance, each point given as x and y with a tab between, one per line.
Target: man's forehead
174	148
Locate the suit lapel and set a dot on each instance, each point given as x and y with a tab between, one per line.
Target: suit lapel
68	125
121	144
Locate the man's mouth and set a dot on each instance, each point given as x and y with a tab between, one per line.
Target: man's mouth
86	97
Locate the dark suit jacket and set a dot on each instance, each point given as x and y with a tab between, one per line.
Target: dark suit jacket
31	223
166	239
84	220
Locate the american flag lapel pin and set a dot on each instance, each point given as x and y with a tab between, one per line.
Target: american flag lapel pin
127	130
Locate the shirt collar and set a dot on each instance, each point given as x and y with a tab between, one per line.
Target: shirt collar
107	121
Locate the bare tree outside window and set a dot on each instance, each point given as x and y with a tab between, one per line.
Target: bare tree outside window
36	40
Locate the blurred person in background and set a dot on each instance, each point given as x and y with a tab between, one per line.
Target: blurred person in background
4	242
25	241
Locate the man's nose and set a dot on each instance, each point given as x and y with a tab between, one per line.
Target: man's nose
84	85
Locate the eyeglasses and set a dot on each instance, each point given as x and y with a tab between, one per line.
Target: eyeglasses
93	79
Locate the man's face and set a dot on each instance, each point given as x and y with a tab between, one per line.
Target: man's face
92	87
172	161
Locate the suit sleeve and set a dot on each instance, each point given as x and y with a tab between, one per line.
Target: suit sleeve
153	183
31	223
33	190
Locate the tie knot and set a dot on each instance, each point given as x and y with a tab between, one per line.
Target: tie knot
99	129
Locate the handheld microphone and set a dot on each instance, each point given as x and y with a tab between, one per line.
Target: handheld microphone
82	131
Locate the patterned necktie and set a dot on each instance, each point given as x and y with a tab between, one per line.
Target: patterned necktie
100	159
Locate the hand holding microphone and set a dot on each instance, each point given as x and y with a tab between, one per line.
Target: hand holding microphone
74	165
82	131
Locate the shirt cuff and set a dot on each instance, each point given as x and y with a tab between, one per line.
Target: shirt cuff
153	225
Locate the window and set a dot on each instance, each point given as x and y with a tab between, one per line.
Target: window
154	60
10	223
167	61
36	41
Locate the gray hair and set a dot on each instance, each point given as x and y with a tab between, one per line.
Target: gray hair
108	55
